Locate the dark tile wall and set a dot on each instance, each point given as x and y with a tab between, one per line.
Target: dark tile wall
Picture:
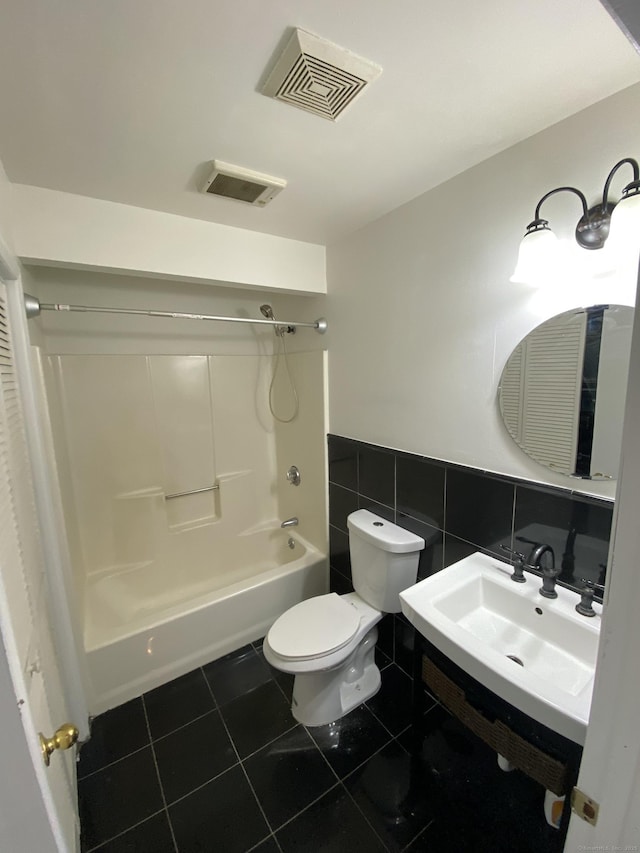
458	511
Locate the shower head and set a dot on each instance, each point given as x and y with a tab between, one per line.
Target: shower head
267	311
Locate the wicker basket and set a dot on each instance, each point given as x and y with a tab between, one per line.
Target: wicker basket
548	771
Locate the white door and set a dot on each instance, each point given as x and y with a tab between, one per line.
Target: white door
24	617
610	768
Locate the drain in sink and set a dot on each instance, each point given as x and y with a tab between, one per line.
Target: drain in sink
515	660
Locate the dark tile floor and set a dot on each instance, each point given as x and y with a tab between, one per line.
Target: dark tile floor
213	762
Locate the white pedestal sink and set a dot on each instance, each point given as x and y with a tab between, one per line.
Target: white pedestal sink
538	654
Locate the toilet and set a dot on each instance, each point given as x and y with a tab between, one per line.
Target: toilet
328	642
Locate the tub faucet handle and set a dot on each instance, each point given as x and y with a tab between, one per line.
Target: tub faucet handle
293	476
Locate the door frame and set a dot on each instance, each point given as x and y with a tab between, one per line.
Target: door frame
61	595
36	818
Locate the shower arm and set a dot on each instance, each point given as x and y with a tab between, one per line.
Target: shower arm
34	307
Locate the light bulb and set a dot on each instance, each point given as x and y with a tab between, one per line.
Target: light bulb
624	233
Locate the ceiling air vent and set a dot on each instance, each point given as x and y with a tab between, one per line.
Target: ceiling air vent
241	184
318	76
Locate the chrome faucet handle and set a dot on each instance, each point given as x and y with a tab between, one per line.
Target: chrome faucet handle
293	476
585	607
518	564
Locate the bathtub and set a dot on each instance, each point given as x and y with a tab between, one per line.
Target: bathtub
151	622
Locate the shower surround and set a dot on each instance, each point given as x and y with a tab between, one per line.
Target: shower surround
170	580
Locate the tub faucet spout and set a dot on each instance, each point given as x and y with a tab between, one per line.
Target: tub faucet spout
290	522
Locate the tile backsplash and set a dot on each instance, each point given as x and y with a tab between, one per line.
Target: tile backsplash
460	510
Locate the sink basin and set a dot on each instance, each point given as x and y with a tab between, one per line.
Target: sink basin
536	653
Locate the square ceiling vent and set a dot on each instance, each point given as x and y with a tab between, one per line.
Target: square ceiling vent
241	184
318	76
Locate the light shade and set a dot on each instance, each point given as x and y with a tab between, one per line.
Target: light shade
539	258
624	235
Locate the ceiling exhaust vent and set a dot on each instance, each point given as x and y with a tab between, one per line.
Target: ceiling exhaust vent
241	184
318	76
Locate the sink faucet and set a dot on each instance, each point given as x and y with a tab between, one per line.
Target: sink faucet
538	553
585	608
518	564
290	522
549	572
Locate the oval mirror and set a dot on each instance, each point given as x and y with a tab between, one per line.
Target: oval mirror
562	390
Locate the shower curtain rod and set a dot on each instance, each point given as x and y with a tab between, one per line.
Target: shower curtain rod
34	307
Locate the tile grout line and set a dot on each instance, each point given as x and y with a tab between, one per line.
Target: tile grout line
422	831
124	832
341	782
282	691
370	825
151	741
338	781
340	486
394	738
373	713
325	759
399	735
269	742
395	489
481	548
203	785
114	762
308	806
444	507
377	719
155	763
246	775
260	652
513	519
235	764
358	766
353	800
183	726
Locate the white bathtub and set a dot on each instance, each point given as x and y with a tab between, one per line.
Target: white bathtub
150	623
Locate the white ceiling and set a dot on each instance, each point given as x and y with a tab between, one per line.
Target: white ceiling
127	100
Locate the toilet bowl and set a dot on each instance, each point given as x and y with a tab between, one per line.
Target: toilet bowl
328	642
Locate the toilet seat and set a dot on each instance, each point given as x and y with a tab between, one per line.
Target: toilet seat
314	628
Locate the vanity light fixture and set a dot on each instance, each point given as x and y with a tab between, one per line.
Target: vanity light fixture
540	251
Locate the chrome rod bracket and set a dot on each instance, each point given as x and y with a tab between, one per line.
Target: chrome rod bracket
31	306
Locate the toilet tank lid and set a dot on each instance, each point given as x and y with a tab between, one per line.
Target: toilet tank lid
382	533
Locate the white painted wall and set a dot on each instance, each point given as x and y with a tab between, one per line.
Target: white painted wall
63	229
5	203
422	313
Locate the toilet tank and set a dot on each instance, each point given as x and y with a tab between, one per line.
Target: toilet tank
384	559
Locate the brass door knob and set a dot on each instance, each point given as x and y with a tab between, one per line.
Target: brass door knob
64	738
